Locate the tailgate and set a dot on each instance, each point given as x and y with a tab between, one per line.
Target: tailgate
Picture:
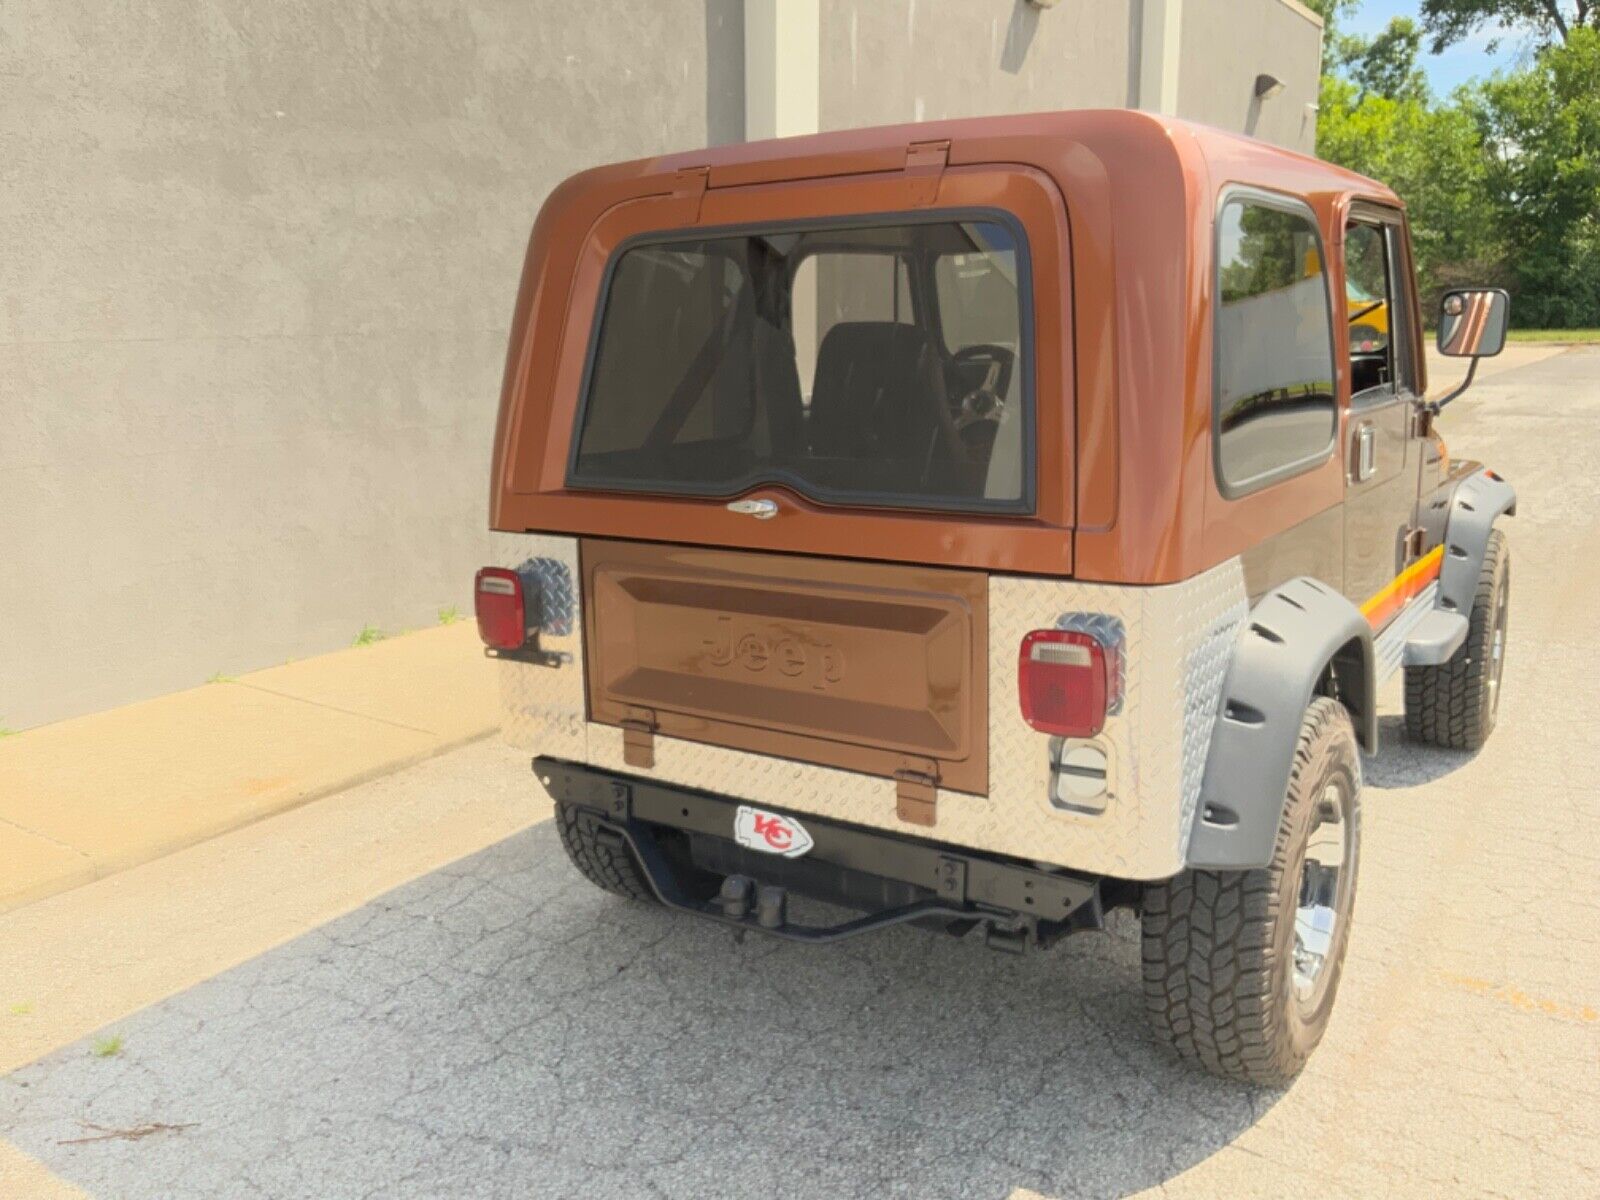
869	667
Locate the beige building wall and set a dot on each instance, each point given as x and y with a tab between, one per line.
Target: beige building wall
259	261
922	60
1225	44
888	61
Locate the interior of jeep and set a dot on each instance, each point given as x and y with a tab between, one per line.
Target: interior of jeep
880	364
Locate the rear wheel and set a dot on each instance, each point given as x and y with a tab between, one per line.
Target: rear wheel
610	867
1241	967
1455	704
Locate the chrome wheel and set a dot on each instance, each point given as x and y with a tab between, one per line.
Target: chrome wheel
1324	880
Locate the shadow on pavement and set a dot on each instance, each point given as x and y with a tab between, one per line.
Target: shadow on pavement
500	1028
1402	763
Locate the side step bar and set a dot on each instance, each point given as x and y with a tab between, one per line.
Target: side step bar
1019	903
1435	639
1423	635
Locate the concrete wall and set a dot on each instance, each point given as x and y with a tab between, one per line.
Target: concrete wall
886	61
916	60
258	264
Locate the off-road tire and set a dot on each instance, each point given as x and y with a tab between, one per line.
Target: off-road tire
614	870
1454	704
1218	946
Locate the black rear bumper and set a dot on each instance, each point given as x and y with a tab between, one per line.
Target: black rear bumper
683	838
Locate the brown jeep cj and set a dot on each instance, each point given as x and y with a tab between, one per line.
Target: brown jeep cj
985	524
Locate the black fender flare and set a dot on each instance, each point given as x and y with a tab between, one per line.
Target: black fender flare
1301	638
1478	501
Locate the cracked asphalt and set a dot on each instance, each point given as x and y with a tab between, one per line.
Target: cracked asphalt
496	1027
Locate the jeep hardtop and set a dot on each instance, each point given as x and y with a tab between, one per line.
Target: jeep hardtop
984	524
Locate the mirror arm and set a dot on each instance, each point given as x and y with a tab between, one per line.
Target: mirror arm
1435	405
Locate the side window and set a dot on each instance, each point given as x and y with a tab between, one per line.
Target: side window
1274	401
1369	309
1403	334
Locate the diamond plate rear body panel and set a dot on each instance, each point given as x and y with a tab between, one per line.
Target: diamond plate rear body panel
1177	640
1176	643
544	707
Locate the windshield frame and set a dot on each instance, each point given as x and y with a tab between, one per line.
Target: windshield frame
1025	504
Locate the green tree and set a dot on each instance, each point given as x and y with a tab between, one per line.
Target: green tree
1450	21
1387	65
1541	131
1337	46
1433	159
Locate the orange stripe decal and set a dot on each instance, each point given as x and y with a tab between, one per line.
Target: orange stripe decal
1404	588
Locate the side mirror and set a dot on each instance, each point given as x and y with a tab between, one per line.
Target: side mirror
1472	322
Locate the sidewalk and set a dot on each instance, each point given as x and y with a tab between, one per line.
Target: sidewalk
91	796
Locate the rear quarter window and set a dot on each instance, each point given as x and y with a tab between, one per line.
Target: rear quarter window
1274	406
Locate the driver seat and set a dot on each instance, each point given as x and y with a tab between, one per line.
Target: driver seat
879	394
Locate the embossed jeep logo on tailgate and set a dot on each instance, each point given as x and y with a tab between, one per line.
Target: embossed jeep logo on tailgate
759	649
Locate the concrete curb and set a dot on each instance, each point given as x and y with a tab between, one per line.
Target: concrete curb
89	797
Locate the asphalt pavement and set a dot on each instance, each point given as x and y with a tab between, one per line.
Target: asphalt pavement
496	1027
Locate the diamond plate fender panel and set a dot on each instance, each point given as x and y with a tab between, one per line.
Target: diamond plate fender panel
1177	640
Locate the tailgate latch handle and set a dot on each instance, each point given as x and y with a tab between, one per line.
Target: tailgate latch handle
761	510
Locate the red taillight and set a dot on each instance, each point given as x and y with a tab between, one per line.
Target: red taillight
497	595
1064	682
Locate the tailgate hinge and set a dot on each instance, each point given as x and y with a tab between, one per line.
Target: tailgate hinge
690	187
916	792
639	740
925	163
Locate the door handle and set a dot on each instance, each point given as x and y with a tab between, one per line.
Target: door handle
761	510
1366	453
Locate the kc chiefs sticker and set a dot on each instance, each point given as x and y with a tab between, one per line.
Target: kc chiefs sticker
757	829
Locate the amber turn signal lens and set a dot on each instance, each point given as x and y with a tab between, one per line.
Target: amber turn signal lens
497	596
1062	682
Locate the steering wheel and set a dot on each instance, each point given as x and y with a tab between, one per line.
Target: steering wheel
986	402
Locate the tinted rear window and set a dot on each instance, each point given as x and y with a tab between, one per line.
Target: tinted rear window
880	364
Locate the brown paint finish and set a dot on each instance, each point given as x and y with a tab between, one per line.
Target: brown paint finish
872	667
1314	547
1118	209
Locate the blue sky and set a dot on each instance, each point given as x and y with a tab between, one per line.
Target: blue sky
1462	62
